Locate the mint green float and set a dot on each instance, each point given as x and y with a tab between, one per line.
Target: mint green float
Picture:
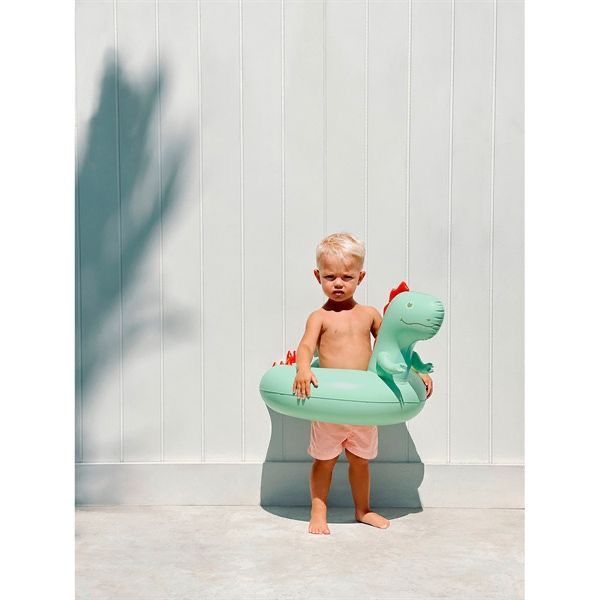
388	392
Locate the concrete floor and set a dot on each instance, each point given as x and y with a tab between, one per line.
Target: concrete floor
239	552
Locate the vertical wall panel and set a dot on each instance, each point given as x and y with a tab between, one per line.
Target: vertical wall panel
222	229
304	72
345	97
387	127
507	391
77	270
98	223
262	211
139	151
180	156
471	206
430	98
78	336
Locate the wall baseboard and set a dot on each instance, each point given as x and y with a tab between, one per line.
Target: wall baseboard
409	485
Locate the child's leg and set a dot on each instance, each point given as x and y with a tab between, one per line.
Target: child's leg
320	482
359	477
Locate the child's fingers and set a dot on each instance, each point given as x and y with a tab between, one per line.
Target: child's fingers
302	388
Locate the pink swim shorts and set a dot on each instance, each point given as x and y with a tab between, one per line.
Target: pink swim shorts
328	439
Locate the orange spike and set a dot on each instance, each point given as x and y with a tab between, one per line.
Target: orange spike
393	293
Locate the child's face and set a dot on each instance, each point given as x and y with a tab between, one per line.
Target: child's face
339	276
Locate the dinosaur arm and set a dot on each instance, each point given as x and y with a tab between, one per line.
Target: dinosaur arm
419	366
387	364
399	372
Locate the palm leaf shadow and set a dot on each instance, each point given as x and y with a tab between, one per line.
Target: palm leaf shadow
119	210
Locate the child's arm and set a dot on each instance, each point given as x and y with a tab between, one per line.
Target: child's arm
423	370
304	355
428	382
377	318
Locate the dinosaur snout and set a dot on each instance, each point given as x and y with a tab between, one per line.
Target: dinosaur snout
436	316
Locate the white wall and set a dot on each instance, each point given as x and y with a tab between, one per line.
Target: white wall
217	142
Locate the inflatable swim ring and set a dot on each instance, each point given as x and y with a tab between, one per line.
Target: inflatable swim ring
388	392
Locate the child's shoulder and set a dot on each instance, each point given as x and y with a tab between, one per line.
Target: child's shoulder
370	309
316	315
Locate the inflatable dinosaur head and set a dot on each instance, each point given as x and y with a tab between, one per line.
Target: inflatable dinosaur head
413	316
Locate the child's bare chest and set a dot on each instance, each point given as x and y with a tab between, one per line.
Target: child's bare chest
343	325
345	341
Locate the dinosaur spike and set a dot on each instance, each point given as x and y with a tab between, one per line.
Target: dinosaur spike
402	287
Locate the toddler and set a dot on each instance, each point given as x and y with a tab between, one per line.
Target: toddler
341	332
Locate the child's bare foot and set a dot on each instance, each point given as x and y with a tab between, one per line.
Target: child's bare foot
372	518
318	521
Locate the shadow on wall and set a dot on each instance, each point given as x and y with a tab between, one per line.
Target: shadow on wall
394	484
120	202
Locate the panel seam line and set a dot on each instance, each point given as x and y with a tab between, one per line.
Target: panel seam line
118	128
449	267
242	240
201	231
491	265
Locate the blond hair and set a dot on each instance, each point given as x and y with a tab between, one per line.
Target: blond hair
342	244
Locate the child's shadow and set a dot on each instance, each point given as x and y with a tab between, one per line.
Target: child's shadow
396	474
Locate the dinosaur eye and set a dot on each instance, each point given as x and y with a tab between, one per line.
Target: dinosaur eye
409	305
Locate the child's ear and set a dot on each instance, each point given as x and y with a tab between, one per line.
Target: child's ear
317	275
361	276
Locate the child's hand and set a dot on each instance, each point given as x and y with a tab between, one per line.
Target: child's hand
428	383
301	387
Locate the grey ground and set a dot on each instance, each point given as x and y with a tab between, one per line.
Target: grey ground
239	552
